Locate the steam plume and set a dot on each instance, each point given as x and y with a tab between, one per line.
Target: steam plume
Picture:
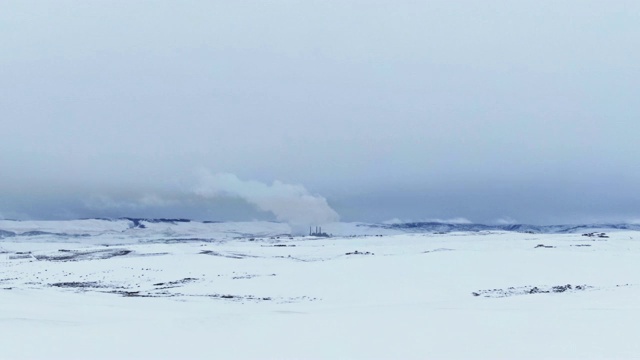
289	203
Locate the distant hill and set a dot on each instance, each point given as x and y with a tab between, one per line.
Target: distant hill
153	229
434	227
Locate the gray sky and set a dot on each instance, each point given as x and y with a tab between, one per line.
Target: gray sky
522	111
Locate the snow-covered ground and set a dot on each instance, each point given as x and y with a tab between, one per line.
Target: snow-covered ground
98	289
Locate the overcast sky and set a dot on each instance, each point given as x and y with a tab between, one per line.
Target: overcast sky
493	111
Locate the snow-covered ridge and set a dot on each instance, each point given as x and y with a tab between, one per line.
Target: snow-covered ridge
185	228
537	229
127	230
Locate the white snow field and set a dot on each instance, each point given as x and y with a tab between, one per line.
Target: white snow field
97	289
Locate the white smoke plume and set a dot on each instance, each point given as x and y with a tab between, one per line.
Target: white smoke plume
289	203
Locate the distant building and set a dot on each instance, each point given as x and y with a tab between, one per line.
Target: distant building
318	232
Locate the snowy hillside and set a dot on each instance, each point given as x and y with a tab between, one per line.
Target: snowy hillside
538	229
170	289
131	229
127	229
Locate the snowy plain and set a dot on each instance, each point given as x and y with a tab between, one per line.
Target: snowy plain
101	289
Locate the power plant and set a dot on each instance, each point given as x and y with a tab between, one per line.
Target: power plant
318	232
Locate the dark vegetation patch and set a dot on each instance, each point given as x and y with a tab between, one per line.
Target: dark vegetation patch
137	222
544	246
261	298
176	282
77	255
215	253
359	253
80	285
230	297
248	276
126	293
436	250
289	257
240	277
21	255
596	235
528	290
230	255
152	254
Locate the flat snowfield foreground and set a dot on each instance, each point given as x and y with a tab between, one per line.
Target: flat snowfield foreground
160	293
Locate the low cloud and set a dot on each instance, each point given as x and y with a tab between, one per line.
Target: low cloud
395	221
457	221
505	220
105	202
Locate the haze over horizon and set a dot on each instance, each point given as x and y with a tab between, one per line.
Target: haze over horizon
491	112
